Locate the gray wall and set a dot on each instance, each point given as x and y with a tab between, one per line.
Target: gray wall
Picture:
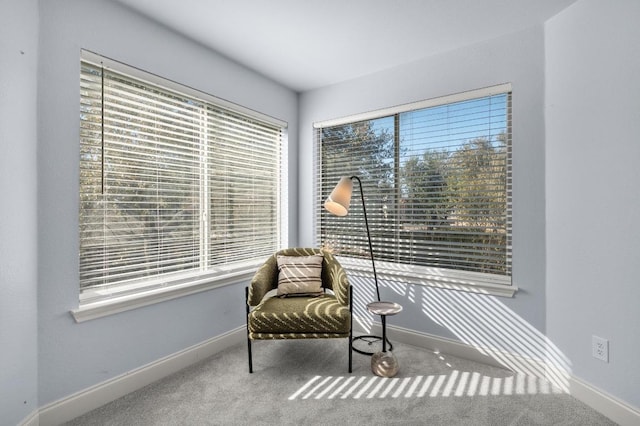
576	239
18	222
74	356
582	67
519	59
593	201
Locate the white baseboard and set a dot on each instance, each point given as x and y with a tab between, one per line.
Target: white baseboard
607	405
616	410
437	344
32	419
88	399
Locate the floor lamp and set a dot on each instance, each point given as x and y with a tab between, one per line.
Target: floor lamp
338	204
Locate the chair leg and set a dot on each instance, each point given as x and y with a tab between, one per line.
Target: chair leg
246	295
350	355
250	360
350	329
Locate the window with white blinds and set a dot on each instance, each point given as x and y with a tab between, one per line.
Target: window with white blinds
171	185
437	187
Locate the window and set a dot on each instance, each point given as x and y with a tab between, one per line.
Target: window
175	186
436	177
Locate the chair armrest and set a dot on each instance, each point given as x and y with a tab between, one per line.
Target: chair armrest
264	280
337	278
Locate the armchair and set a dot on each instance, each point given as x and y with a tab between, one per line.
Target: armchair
326	315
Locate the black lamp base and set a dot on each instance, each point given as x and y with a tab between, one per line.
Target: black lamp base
370	339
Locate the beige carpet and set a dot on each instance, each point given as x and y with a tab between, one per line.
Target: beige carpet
305	382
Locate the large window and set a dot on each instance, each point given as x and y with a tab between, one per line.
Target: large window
174	187
437	187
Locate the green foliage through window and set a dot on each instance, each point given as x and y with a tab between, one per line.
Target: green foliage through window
437	186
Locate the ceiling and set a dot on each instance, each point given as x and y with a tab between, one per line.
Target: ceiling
307	44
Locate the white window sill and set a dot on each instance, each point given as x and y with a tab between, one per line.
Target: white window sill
94	305
473	282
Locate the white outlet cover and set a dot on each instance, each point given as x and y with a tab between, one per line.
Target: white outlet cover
600	348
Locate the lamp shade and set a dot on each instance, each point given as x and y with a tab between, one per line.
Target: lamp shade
338	201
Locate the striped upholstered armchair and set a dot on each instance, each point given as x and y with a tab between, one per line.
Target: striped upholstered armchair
307	294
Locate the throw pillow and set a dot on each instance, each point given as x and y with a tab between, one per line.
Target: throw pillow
300	275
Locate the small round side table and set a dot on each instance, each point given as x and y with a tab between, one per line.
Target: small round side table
384	363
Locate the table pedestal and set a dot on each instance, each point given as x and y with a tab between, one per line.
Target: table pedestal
384	363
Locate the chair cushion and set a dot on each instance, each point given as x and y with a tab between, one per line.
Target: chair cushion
300	315
300	275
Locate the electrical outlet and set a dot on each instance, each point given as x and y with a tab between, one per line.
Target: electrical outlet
600	348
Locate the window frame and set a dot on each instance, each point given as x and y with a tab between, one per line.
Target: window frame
98	302
476	282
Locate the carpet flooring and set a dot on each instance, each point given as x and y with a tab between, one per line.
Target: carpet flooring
305	382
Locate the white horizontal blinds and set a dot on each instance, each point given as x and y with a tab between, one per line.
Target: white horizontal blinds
144	220
170	184
365	149
91	215
454	172
437	185
244	164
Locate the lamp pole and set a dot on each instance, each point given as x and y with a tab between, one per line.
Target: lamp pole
338	204
366	223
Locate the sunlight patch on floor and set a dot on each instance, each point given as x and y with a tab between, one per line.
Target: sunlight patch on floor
455	384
